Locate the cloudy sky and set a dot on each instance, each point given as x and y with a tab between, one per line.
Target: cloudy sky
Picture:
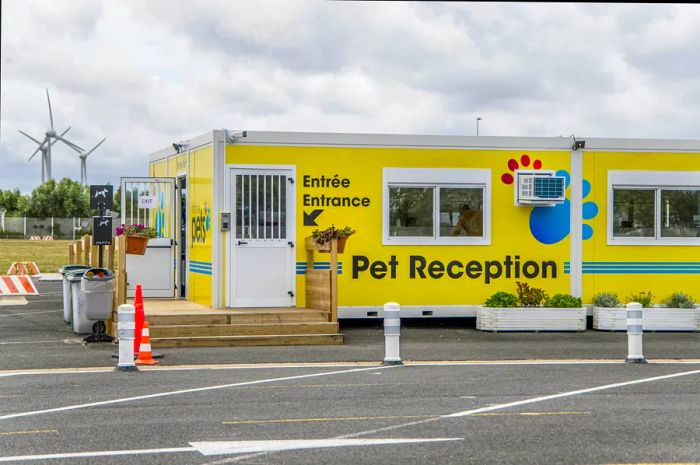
146	73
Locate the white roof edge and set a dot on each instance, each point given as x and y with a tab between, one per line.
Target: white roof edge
660	145
436	141
192	143
471	142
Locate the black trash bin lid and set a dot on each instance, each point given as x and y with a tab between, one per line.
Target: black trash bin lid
65	269
76	275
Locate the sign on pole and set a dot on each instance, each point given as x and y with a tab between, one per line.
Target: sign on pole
101	197
102	230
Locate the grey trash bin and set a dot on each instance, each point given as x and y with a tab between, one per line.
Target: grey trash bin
67	306
97	286
79	321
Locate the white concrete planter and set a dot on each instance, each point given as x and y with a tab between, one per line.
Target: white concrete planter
530	319
653	319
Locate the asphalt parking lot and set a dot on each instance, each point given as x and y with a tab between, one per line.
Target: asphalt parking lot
34	336
463	397
590	413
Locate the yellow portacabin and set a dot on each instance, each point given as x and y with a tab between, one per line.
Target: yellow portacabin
442	222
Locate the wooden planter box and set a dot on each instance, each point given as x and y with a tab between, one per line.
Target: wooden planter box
653	319
327	246
530	319
136	245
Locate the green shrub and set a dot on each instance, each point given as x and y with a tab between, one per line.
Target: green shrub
644	298
564	301
502	299
606	299
679	300
530	296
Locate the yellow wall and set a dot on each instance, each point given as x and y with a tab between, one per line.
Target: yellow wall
511	234
158	169
200	193
596	167
363	167
172	167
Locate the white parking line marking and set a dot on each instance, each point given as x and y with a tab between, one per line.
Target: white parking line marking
233	447
476	411
260	366
31	313
523	402
106	453
184	391
30	342
569	394
247	447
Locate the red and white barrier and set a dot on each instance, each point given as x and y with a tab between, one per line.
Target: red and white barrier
22	268
16	286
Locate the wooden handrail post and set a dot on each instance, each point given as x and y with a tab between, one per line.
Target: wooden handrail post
87	242
334	281
110	255
79	252
121	266
322	285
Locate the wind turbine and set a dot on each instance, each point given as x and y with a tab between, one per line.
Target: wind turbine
83	162
50	138
44	155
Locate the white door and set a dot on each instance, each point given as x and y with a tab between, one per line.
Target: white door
151	202
262	238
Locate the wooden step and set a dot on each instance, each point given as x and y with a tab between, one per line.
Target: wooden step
257	340
257	329
242	317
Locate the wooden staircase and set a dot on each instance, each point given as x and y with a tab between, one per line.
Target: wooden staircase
182	323
250	327
244	327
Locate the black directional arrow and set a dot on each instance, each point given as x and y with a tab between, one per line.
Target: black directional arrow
310	218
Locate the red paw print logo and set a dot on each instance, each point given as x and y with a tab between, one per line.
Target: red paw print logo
513	165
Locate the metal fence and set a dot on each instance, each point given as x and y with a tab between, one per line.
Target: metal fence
21	227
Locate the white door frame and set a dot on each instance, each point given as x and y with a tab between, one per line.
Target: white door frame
179	273
158	242
229	206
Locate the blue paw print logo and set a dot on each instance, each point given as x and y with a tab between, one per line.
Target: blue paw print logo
550	225
207	217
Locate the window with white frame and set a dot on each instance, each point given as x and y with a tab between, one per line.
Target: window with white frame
654	207
438	206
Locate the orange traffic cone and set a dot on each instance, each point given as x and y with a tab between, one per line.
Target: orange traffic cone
138	318
145	355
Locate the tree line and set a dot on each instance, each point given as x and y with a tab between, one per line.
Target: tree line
63	199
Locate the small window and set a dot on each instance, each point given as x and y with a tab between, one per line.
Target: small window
436	206
680	213
654	208
461	212
633	211
411	211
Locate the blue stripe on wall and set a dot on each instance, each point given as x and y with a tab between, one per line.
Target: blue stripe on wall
638	263
637	267
201	268
198	267
301	267
198	271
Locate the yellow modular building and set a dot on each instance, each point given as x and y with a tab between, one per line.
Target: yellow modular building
442	221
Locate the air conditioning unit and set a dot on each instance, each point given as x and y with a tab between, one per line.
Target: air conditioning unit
539	188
